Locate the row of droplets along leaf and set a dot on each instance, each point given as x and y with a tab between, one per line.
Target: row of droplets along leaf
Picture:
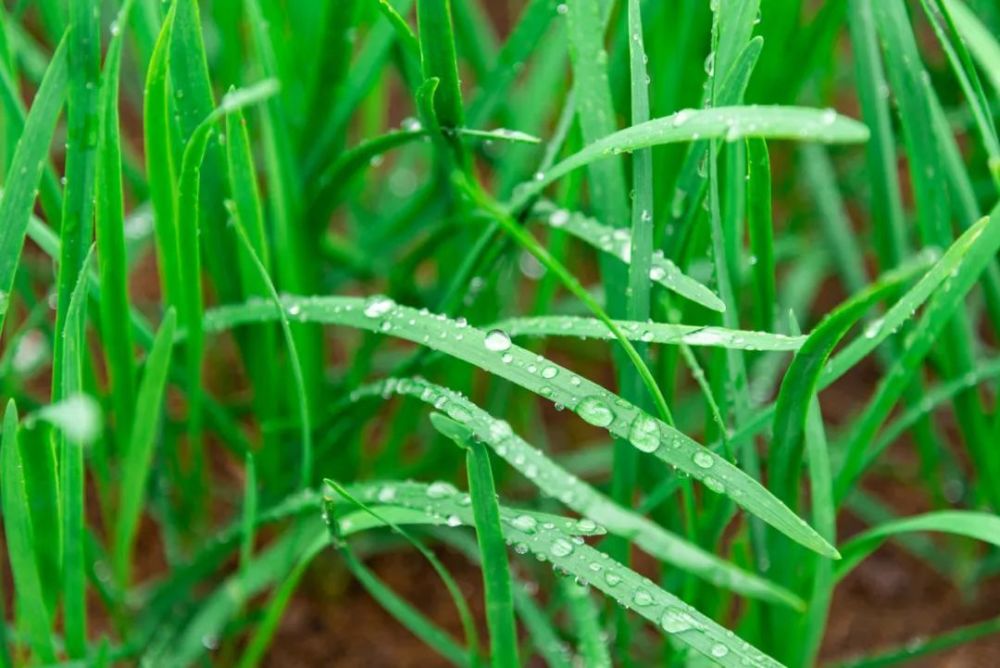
493	352
560	484
547	538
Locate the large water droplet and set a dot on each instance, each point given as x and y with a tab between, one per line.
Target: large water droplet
644	433
612	579
719	650
561	548
676	621
642	598
703	459
525	523
441	490
497	340
595	411
714	484
378	306
559	217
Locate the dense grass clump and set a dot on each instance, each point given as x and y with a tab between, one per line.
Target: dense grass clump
633	327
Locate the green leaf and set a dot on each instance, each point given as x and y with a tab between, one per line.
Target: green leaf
26	169
651	332
593	403
493	551
978	526
110	229
729	123
35	617
618	243
555	539
558	483
139	455
438	58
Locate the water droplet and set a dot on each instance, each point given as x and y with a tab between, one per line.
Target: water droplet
378	306
703	459
873	329
682	117
386	494
642	598
559	217
561	548
829	117
644	433
586	525
719	650
714	484
454	521
411	124
525	523
549	372
657	273
441	490
612	579
676	621
595	411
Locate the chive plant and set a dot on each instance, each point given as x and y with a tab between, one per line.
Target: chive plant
263	264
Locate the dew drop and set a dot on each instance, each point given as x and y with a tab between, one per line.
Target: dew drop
559	217
441	490
595	411
714	484
682	117
676	621
644	433
612	579
549	372
378	306
642	598
497	340
719	650
703	459
561	548
525	523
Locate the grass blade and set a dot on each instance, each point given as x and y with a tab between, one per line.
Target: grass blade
34	616
160	169
593	403
618	243
558	483
556	540
493	552
72	476
110	229
76	228
978	526
139	455
729	123
981	42
940	308
761	232
651	332
26	169
439	61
